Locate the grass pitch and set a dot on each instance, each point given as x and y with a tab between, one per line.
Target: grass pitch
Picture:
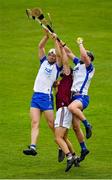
19	38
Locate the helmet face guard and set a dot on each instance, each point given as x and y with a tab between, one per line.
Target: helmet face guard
52	51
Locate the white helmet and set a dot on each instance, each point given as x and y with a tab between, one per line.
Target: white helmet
53	51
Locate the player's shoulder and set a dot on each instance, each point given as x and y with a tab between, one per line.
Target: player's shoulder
90	67
76	60
43	59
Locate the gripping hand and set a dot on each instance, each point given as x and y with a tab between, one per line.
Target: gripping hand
79	40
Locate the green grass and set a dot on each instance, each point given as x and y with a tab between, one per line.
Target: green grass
19	38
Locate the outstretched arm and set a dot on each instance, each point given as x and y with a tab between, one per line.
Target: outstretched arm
57	48
58	52
65	62
62	55
84	57
41	46
69	52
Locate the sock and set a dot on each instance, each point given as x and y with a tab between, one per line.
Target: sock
86	123
69	156
73	154
33	146
83	146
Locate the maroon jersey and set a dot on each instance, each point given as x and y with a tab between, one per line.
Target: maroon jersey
63	96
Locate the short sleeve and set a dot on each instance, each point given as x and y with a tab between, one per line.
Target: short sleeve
44	58
76	60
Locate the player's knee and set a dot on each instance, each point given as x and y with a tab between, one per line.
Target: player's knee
72	108
35	124
57	139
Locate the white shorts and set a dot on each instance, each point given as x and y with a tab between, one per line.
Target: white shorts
63	118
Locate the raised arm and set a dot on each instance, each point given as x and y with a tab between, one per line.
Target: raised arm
62	56
68	51
57	48
58	52
41	46
61	52
84	57
65	62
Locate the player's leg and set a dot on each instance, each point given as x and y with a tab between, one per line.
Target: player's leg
49	112
77	129
80	136
50	119
59	137
71	148
76	108
67	123
62	124
69	144
49	115
35	114
59	122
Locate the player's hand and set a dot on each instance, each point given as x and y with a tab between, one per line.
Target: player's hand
54	36
79	40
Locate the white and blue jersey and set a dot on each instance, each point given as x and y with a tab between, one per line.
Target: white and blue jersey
82	76
46	76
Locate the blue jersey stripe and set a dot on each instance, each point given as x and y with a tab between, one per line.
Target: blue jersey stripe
90	68
43	59
76	60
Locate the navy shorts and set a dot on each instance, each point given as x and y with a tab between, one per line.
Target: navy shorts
42	101
83	98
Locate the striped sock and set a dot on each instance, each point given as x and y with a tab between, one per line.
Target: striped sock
73	154
69	156
33	146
